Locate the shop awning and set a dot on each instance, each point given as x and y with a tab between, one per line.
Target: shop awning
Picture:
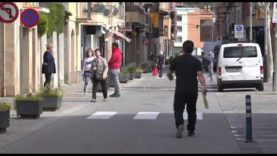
120	35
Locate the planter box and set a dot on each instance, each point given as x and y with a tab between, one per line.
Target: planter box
137	75
131	76
29	109
4	120
51	102
123	78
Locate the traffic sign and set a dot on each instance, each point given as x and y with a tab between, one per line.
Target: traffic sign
239	31
29	17
8	12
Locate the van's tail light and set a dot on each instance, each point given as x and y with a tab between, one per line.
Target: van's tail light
219	70
262	69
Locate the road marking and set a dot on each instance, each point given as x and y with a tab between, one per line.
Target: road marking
71	111
102	115
199	116
146	115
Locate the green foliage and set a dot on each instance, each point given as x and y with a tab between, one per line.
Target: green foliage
28	97
131	68
139	70
51	92
147	66
43	24
56	18
5	106
124	71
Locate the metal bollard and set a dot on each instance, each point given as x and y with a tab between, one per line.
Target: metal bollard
248	119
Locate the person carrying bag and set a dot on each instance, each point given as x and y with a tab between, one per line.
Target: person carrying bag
99	68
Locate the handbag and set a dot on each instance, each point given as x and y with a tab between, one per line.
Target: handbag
155	71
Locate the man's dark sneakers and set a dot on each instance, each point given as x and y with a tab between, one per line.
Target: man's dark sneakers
115	95
191	133
179	132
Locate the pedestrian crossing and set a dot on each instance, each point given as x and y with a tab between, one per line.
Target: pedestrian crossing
137	116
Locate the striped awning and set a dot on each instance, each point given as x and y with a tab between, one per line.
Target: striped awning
120	35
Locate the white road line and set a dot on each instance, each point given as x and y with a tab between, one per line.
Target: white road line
146	115
102	115
73	110
199	116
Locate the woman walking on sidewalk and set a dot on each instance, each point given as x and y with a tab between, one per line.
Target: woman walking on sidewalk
86	68
99	68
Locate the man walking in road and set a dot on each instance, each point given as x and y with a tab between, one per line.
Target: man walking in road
187	69
114	66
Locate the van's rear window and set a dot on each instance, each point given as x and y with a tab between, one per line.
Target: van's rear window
236	52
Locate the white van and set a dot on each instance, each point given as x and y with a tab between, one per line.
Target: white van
240	65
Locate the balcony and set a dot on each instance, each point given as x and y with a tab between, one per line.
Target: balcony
135	15
166	7
100	14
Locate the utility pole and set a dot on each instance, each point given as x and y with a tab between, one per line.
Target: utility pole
274	88
250	25
265	43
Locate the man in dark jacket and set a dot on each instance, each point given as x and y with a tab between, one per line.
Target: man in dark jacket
114	68
48	66
187	69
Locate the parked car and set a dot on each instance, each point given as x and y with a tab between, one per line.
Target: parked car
240	65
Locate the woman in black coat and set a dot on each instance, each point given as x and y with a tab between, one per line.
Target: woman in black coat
48	66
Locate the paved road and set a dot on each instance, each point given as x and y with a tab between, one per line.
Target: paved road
141	121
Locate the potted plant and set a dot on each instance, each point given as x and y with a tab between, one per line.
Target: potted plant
51	98
131	71
138	72
4	116
28	106
124	76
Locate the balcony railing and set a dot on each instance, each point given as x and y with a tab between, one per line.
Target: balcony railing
135	14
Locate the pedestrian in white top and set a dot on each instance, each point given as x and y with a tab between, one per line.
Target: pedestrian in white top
86	67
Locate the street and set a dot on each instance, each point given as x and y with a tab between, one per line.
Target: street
142	121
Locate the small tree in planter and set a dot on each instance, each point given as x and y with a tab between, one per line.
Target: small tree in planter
28	106
138	72
124	76
4	116
51	99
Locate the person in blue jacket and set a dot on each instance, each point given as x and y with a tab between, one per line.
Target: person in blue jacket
48	66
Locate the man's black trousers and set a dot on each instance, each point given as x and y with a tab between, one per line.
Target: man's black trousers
180	101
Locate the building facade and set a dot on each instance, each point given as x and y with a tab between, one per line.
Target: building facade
189	27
